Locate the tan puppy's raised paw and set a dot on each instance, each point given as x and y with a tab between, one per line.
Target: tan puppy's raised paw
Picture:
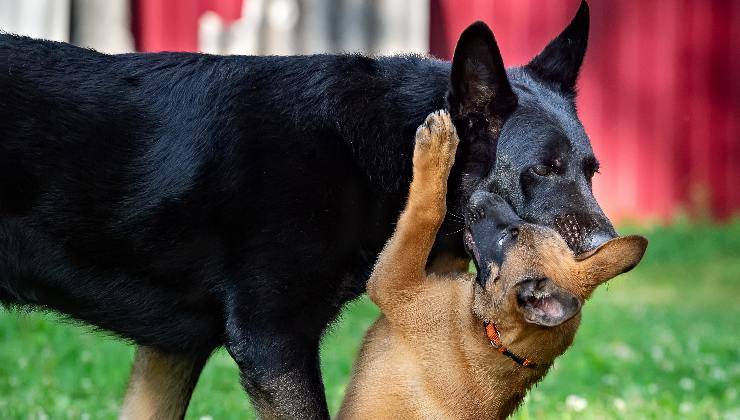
436	144
434	155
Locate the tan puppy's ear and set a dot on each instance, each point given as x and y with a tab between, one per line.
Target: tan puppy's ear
611	259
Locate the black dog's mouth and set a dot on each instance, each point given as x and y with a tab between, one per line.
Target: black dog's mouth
581	233
470	246
472	249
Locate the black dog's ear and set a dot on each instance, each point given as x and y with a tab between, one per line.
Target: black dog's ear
478	82
561	60
544	303
480	98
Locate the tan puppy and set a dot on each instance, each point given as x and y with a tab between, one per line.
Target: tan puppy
466	346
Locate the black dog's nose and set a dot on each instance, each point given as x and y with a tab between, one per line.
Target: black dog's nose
596	239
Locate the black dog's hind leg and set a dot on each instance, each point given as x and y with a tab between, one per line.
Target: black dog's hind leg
161	384
279	368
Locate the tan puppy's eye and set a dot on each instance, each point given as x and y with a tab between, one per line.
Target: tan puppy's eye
542	170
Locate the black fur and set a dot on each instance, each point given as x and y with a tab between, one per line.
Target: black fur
187	201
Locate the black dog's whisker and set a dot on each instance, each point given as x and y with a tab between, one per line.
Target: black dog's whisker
455	218
455	223
452	233
455	215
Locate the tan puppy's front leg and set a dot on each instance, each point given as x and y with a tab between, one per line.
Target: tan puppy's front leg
401	264
161	385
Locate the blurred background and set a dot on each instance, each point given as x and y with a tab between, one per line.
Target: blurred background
659	97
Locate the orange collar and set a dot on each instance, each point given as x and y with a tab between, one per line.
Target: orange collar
495	338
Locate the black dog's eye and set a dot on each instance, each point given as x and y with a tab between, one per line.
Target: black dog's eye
542	170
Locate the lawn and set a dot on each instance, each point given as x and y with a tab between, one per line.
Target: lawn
662	341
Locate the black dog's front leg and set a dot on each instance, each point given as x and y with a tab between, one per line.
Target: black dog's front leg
280	371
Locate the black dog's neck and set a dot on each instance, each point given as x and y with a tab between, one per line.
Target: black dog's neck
410	89
374	105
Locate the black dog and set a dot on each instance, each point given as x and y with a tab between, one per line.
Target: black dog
188	201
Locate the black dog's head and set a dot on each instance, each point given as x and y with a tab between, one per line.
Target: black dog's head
520	135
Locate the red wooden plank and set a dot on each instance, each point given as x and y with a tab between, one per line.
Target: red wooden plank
629	187
599	74
665	113
721	106
648	161
701	107
732	179
684	94
166	25
172	25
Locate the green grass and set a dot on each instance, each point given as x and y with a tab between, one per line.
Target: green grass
659	342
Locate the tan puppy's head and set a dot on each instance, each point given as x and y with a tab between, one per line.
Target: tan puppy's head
528	278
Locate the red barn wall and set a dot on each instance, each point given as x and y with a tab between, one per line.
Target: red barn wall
172	25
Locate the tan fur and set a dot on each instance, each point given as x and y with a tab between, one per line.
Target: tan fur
161	385
427	356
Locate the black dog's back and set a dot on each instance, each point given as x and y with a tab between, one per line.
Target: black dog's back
75	136
143	192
